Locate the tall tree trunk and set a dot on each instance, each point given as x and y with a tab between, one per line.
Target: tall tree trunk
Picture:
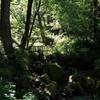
95	22
17	74
27	25
5	30
41	28
40	24
34	18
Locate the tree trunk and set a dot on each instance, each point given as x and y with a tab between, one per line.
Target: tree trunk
27	25
17	73
34	18
40	25
5	30
95	22
41	28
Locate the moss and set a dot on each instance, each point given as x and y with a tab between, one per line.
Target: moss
54	71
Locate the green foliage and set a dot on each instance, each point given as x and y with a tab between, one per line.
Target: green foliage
7	90
72	46
22	59
30	96
75	16
69	16
51	88
17	18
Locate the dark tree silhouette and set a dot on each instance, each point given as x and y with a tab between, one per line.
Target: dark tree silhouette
27	25
5	30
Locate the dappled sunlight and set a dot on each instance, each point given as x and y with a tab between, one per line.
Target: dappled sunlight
49	50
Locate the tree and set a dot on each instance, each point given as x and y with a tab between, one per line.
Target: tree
27	25
33	21
5	30
95	21
74	15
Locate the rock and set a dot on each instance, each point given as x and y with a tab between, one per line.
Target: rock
54	71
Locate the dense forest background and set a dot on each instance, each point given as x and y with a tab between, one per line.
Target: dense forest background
49	49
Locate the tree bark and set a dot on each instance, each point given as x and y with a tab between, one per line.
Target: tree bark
27	25
5	30
41	28
95	22
34	17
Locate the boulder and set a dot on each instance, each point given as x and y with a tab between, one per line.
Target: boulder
54	71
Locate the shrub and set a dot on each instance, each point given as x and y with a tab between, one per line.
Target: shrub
7	90
30	96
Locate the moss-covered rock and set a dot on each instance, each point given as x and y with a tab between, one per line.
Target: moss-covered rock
54	71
